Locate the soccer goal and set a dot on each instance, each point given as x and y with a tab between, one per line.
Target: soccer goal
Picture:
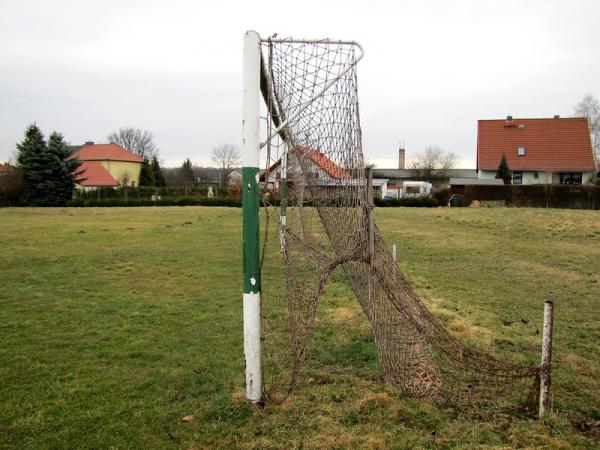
324	190
299	93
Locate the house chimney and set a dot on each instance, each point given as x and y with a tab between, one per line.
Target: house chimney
401	158
509	118
89	142
556	116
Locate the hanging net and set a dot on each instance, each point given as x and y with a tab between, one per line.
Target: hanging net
314	142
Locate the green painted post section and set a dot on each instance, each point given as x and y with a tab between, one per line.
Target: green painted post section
250	213
283	196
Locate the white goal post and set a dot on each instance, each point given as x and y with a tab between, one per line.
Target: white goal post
250	153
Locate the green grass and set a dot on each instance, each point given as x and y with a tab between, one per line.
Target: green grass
115	323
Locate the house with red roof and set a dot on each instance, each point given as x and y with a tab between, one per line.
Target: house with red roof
107	165
319	165
538	151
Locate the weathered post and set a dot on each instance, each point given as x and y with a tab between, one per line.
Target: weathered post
545	374
394	255
250	213
283	199
370	212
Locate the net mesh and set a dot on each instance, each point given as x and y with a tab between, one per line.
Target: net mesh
315	164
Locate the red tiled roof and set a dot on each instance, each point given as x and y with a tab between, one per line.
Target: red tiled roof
103	152
550	144
263	174
95	175
5	168
321	160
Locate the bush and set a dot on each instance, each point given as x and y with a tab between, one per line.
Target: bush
442	196
413	202
76	202
234	190
146	192
185	201
12	188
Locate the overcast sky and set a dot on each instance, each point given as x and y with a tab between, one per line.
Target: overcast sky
431	68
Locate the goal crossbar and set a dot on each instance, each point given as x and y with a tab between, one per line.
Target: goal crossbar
302	107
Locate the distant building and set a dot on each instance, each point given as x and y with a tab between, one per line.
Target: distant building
436	178
107	165
407	189
397	177
235	177
538	151
387	183
5	169
320	168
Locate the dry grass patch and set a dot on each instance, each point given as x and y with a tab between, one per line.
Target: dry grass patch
543	269
345	314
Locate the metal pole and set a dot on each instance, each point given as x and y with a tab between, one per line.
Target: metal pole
283	198
546	359
370	236
370	212
250	213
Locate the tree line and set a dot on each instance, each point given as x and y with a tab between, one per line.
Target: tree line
47	173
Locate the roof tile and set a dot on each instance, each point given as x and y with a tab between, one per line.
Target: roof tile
550	144
94	174
104	152
322	161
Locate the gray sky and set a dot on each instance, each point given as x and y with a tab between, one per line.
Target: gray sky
431	68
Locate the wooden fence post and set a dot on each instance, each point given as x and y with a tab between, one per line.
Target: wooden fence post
545	374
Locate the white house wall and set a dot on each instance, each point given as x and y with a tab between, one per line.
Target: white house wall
543	177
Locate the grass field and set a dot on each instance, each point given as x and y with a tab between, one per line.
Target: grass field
115	323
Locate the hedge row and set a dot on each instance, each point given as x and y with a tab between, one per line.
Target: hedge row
538	196
146	192
186	201
414	202
423	202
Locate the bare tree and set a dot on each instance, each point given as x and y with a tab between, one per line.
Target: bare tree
590	108
227	158
135	140
433	162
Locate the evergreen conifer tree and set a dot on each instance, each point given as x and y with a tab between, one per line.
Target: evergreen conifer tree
187	173
504	171
39	167
67	173
146	174
159	178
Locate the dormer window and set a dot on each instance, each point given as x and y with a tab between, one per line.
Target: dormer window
521	151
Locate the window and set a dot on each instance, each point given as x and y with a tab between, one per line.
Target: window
570	178
517	177
521	151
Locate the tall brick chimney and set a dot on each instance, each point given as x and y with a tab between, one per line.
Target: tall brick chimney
401	158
